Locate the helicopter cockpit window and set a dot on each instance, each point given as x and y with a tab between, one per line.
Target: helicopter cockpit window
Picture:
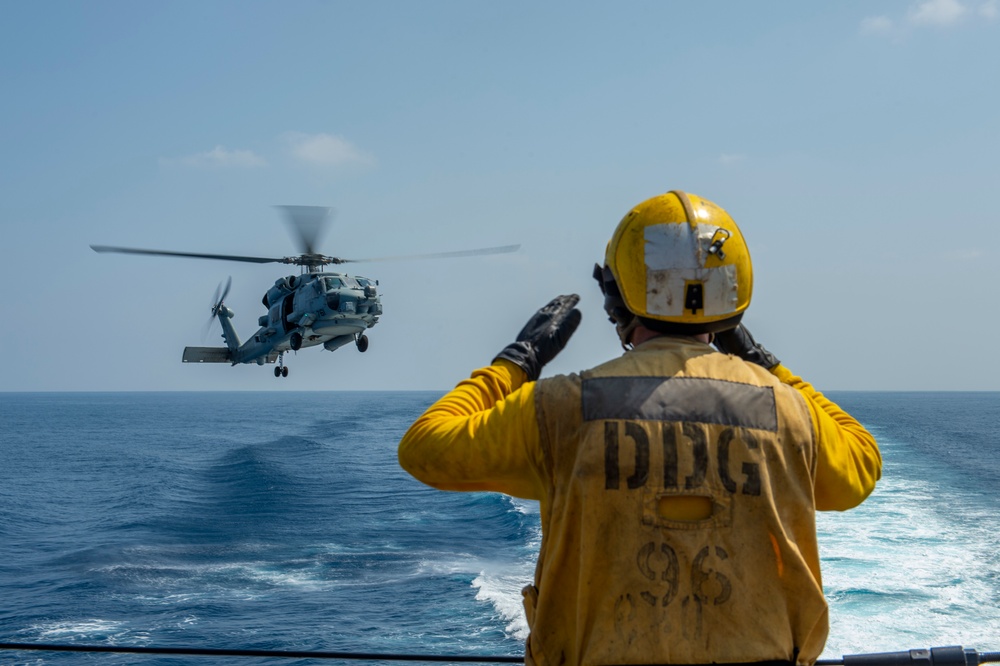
351	282
332	283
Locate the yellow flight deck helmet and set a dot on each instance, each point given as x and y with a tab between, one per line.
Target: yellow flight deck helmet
677	263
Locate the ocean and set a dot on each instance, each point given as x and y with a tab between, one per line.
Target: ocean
282	521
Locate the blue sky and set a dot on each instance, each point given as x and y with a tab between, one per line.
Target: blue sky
856	144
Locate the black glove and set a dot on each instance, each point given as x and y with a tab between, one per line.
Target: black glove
738	342
544	336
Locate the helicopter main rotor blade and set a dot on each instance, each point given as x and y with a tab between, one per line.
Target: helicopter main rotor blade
308	223
197	255
439	255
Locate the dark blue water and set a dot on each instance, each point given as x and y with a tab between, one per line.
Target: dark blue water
282	521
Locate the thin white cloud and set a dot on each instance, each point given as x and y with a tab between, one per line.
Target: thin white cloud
937	12
326	150
219	157
965	255
731	159
931	14
874	25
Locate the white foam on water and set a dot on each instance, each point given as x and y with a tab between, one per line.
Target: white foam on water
527	507
457	563
501	588
302	579
190	583
80	629
913	567
500	585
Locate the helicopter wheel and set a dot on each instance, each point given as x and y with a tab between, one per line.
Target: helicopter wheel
362	343
277	372
284	371
295	342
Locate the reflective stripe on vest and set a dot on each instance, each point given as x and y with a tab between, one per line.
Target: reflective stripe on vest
690	399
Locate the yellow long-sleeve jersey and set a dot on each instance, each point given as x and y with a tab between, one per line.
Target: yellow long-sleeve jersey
677	486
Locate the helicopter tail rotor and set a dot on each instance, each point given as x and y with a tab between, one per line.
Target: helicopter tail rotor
220	295
218	303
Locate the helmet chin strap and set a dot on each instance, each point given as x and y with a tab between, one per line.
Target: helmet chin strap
625	331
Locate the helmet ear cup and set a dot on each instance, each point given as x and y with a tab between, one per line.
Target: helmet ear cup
614	305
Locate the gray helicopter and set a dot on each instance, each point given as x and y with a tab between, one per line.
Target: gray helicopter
306	310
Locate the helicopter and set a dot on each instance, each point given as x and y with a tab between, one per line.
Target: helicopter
313	308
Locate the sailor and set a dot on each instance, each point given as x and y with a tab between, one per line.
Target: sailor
678	483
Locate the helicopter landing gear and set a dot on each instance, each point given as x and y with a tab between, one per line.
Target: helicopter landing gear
362	343
281	370
295	342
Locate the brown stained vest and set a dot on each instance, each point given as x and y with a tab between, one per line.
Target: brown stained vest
680	526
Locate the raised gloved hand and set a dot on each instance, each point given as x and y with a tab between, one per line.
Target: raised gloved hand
738	342
544	336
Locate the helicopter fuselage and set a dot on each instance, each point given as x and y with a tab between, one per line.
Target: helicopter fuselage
307	310
320	307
